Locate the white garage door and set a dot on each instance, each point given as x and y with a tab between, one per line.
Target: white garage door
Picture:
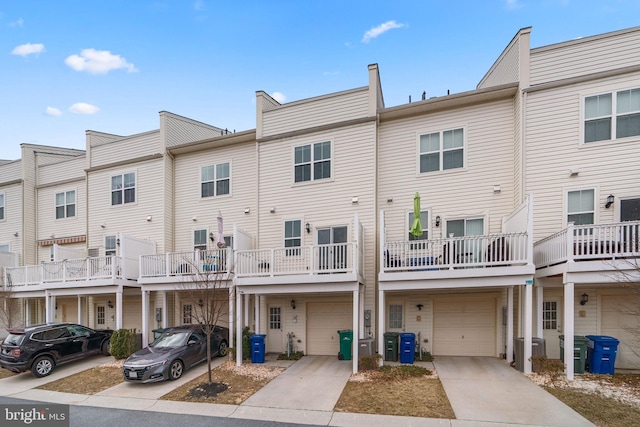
324	320
464	326
619	320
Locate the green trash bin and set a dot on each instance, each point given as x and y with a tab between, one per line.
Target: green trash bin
391	346
580	344
346	340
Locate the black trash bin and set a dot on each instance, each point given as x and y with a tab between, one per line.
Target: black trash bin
391	346
257	342
407	347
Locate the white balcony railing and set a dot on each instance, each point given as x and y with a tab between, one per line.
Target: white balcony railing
185	263
73	270
456	252
317	259
588	242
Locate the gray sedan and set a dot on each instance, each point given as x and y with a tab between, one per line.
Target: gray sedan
174	351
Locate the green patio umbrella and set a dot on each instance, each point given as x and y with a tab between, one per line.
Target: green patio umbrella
416	227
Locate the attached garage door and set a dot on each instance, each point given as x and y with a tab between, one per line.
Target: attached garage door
323	322
619	320
464	326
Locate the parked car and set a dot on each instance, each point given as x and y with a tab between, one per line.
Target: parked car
43	347
175	350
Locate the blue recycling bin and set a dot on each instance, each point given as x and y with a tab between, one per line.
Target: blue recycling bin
407	347
601	354
257	342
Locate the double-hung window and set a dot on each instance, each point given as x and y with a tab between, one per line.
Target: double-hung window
292	236
549	315
200	240
187	313
612	115
1	206
215	180
581	206
468	249
66	204
123	188
110	243
312	162
4	247
395	316
441	150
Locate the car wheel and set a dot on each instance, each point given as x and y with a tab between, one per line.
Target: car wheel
222	349
42	366
106	347
175	370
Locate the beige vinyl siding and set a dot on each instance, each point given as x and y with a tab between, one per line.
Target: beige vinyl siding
169	202
95	139
61	227
62	171
333	108
10	171
506	68
128	218
44	252
181	130
189	204
553	131
124	149
13	219
585	56
518	148
454	193
28	234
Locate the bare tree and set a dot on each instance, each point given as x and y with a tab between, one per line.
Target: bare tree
9	306
207	293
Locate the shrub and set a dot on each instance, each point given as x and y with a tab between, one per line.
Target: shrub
124	343
369	363
246	344
296	355
551	368
402	372
426	357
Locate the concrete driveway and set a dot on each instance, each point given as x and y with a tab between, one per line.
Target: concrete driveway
485	389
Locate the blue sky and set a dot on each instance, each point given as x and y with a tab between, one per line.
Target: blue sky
112	65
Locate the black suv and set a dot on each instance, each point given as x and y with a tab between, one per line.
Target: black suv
42	347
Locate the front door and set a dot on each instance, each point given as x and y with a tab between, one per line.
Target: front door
274	335
332	254
552	325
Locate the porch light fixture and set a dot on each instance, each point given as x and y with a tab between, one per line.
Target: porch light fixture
211	236
437	220
118	241
609	201
419	306
293	304
584	299
16	234
200	303
307	227
110	304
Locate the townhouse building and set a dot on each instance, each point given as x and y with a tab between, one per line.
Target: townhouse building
527	205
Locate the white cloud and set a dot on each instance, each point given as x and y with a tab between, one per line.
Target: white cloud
27	49
380	29
98	62
199	5
278	96
513	4
18	23
52	111
83	108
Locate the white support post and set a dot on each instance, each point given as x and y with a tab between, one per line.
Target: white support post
27	312
528	325
539	300
80	311
165	311
238	328
361	318
256	310
509	325
355	342
380	337
145	318
568	329
119	309
247	297
232	317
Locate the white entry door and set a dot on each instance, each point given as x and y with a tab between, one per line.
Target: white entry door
274	342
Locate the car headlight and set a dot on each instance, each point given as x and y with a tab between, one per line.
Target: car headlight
156	365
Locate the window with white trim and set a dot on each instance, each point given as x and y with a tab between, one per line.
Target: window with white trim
441	150
549	315
187	313
612	115
5	247
275	318
110	243
200	240
215	180
66	204
1	206
100	315
581	206
123	188
395	316
292	236
312	162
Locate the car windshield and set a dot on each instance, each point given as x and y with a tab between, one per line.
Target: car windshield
171	339
14	339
